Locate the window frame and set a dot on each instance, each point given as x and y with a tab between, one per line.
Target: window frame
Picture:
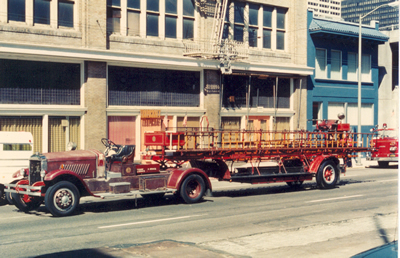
336	75
319	73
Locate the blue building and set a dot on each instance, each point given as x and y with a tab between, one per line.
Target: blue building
332	49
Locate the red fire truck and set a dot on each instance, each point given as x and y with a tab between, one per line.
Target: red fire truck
61	179
384	146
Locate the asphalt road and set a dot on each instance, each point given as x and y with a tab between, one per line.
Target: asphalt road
240	220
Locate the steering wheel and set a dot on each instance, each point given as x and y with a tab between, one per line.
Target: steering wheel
108	143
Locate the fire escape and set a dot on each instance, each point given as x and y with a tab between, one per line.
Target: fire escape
224	50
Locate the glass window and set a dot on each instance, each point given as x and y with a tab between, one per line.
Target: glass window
114	2
352	67
334	108
66	14
188	8
280	40
267	16
253	37
133	4
266	38
253	14
170	27
152	25
280	18
16	10
239	12
320	64
366	68
170	6
133	23
188	25
153	5
42	12
317	112
336	65
113	20
238	33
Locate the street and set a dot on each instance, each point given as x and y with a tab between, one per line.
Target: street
239	220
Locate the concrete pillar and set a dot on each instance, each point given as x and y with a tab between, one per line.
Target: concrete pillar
96	102
212	91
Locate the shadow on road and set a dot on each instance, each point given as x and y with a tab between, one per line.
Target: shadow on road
87	253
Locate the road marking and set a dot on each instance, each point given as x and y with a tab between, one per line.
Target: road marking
149	221
337	198
387	180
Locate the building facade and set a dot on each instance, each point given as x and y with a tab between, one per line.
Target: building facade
83	70
387	16
389	75
333	88
330	9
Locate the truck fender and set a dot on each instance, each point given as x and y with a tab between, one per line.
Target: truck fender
178	175
53	175
316	163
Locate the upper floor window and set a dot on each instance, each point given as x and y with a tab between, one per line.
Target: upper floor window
336	65
113	15
280	25
366	68
261	25
133	14
188	19
238	21
320	63
41	12
66	13
152	15
352	65
171	16
253	25
16	10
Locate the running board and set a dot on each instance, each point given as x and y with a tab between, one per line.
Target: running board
256	178
133	193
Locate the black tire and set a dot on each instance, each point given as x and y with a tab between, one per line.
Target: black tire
153	197
26	203
62	199
295	184
383	164
328	175
192	189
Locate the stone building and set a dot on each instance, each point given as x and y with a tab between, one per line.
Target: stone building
86	69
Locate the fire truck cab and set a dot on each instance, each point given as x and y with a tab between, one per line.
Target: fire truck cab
385	145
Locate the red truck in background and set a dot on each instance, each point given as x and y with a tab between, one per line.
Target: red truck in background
384	146
60	179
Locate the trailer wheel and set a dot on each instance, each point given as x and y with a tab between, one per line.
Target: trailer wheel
192	189
328	175
295	184
25	202
62	199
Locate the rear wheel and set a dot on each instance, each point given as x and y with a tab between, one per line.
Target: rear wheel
62	199
192	188
9	198
25	202
328	175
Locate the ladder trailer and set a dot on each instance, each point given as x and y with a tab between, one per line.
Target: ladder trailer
182	161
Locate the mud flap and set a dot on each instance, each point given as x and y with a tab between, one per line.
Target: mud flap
208	193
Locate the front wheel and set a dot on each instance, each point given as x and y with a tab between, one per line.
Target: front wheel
192	189
25	202
62	199
328	175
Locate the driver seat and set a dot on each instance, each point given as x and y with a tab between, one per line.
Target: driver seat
125	153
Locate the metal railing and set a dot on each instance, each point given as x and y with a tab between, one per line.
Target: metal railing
212	50
153	98
40	96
